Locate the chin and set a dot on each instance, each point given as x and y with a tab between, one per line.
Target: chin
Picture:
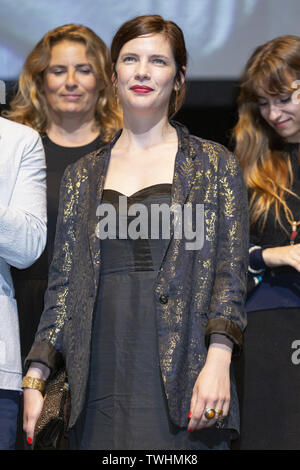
147	107
72	110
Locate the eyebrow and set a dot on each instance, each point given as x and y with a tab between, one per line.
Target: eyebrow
160	56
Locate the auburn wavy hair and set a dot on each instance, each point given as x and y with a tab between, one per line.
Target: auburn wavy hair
29	105
155	24
273	67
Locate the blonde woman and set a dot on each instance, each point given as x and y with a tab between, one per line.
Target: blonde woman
267	143
65	94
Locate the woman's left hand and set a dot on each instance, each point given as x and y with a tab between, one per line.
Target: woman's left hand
211	389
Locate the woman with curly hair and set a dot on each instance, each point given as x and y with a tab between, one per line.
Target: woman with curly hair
65	94
267	137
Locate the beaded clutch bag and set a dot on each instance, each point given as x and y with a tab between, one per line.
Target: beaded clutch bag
52	423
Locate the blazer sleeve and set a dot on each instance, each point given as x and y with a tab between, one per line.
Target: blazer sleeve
23	223
47	347
227	312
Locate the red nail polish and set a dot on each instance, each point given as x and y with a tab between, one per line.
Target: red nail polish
190	414
29	440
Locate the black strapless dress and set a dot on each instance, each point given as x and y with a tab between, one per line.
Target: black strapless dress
126	405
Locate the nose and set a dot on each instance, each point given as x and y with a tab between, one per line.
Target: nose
71	80
142	70
274	112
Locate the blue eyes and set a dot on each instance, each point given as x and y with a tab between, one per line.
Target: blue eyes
132	59
129	59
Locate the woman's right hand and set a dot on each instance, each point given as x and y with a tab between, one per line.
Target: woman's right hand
33	400
33	404
282	256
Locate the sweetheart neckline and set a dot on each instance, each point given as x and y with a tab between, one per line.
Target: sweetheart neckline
146	188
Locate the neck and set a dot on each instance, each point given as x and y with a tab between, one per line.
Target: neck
72	131
145	132
293	140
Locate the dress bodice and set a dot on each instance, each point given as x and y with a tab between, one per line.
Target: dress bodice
120	251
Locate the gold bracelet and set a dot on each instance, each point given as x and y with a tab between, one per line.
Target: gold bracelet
34	382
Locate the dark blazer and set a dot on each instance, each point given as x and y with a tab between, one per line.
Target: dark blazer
197	292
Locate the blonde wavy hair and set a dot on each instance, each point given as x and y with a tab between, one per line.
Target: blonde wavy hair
272	68
29	105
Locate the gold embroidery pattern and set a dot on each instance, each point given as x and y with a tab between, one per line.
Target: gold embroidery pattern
205	288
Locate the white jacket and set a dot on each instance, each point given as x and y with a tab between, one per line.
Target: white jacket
23	220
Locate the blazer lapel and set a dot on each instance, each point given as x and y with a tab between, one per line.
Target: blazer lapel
184	174
97	173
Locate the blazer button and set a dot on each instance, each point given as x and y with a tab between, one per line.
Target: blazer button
163	299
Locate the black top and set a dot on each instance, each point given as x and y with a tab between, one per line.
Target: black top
274	235
280	286
57	159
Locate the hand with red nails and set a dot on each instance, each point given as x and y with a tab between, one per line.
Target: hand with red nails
33	401
33	404
211	389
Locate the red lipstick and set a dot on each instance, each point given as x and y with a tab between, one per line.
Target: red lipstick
141	89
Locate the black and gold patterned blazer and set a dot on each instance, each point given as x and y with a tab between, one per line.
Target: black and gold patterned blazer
197	292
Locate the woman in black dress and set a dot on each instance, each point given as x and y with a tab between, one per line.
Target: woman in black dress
130	313
267	143
65	94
